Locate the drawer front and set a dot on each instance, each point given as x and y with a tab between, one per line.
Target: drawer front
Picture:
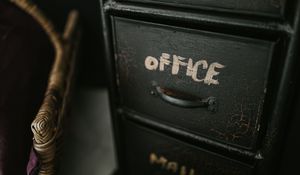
261	7
210	84
150	153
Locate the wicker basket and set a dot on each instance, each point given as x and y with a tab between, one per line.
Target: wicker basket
47	126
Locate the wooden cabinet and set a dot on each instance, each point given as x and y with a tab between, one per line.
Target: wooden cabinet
195	84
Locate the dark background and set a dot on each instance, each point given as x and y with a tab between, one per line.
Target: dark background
91	63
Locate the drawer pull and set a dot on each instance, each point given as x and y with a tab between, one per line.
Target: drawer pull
185	100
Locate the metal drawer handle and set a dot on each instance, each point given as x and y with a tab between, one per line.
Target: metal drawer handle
185	100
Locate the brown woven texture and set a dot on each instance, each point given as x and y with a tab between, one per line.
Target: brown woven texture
47	126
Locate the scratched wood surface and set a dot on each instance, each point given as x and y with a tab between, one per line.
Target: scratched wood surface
259	7
239	85
155	154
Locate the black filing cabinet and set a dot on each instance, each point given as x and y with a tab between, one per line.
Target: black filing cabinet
201	87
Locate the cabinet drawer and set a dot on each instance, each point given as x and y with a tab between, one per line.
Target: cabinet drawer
210	84
149	153
259	7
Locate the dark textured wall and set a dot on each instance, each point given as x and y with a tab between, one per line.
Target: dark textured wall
91	64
